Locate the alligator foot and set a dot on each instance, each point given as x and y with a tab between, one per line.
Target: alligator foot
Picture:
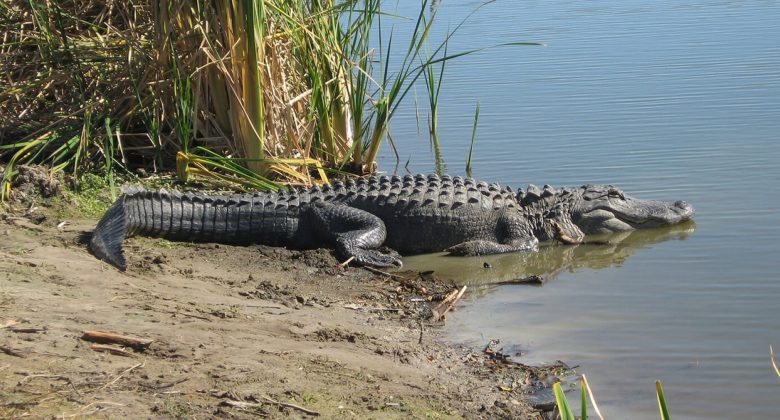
374	258
562	237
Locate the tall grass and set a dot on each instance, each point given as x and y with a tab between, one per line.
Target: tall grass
277	86
244	92
564	408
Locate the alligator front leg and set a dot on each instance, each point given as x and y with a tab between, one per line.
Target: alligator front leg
482	247
354	233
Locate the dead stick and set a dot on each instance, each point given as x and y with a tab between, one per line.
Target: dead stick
111	349
27	330
112	338
12	352
447	299
240	404
346	263
524	280
44	375
128	370
383	273
452	304
290	405
165	385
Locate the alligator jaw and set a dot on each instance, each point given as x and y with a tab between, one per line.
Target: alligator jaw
618	214
650	214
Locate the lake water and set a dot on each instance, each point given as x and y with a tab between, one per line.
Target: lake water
668	100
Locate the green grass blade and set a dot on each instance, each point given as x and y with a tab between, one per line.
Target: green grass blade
592	397
583	401
662	406
772	359
109	155
473	140
563	404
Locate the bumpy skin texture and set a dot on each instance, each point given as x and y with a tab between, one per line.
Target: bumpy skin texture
410	214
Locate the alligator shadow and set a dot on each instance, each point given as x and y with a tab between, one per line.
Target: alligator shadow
597	252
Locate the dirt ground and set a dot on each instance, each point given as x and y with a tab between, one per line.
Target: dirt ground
236	332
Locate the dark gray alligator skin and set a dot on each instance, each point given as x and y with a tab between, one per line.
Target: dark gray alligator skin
410	214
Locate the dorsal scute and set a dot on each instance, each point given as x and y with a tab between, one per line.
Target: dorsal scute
533	191
131	190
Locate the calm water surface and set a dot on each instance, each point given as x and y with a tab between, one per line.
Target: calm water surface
669	100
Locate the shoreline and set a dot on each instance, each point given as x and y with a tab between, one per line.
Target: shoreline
240	331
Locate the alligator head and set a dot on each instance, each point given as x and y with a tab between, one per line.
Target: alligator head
572	213
606	209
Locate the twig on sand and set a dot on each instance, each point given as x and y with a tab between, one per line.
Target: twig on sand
243	405
448	303
44	375
346	263
83	413
111	349
290	405
113	338
163	385
368	308
12	352
383	273
27	330
124	372
248	405
8	323
178	313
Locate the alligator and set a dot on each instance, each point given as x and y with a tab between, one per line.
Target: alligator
408	214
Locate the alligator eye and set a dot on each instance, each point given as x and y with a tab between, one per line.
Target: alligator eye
614	192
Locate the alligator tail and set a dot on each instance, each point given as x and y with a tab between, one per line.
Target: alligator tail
106	242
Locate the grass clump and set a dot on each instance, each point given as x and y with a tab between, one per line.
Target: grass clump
92	195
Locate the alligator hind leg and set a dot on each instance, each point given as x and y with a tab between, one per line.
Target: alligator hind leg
354	232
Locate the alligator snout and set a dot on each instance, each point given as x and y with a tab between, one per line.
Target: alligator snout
684	210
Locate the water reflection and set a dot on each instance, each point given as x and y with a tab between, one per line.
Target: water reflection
598	252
